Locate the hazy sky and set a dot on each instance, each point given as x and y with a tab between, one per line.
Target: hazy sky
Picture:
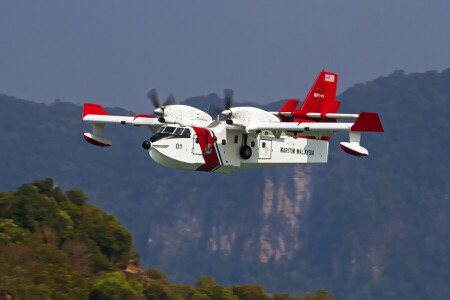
113	52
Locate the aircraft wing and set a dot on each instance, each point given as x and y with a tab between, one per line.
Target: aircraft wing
300	127
95	114
366	121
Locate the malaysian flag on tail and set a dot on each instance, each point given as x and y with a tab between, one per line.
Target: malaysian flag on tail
329	77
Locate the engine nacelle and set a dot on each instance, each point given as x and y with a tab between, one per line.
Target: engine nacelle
244	116
183	114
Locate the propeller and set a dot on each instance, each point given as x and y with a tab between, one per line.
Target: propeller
228	98
153	96
159	109
213	110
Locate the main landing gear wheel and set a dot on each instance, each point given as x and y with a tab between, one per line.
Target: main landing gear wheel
246	152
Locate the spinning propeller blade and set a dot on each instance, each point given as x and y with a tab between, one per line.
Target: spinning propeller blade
170	100
159	109
228	97
153	96
228	93
214	111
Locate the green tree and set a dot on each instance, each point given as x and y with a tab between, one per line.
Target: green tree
250	292
204	280
322	295
157	290
114	286
156	274
77	196
10	232
282	296
183	290
215	292
200	296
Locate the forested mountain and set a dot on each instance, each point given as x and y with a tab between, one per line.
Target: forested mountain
363	228
55	246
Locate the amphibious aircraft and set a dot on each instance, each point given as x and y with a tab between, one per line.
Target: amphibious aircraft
188	138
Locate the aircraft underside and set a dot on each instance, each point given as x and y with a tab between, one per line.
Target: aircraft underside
224	155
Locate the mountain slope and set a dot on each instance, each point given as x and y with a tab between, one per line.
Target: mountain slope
363	228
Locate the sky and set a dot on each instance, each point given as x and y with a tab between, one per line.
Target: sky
113	52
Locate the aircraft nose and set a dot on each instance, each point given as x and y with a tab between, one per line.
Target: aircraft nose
146	145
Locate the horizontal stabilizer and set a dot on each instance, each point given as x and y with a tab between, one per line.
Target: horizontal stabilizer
368	121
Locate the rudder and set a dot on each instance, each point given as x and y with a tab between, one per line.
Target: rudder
321	97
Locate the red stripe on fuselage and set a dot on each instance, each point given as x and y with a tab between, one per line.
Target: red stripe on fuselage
212	158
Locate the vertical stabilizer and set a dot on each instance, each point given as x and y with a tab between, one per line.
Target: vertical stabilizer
322	95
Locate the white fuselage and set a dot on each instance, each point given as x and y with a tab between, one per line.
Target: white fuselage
218	147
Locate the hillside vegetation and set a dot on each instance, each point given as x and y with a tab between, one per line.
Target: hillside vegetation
55	246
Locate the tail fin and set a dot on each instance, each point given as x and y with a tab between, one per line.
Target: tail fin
321	97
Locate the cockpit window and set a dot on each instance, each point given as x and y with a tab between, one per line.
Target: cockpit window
186	133
178	131
171	132
168	130
161	129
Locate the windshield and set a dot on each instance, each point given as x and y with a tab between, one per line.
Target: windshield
161	129
168	129
171	132
186	132
178	131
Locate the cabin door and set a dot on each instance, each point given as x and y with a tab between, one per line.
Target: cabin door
265	149
202	142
